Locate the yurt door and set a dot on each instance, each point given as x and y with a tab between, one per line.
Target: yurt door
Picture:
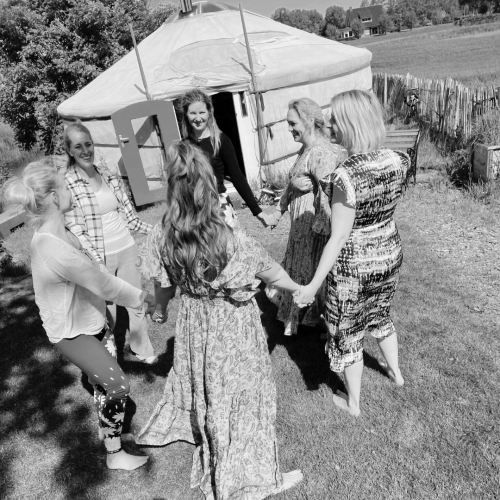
137	127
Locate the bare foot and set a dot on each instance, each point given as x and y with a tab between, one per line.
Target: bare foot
342	401
290	479
122	460
397	378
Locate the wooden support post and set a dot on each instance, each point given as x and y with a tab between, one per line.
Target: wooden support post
385	89
258	97
148	95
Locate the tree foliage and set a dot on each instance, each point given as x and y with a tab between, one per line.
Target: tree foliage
357	28
50	49
306	20
335	16
386	24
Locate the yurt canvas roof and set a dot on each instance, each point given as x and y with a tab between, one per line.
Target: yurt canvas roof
208	50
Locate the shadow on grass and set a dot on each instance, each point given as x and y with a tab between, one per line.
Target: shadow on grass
42	404
33	384
307	350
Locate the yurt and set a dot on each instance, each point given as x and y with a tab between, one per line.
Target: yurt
204	46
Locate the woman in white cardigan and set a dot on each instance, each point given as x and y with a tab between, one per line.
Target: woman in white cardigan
70	291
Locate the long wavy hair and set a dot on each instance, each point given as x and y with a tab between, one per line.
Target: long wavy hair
196	237
186	130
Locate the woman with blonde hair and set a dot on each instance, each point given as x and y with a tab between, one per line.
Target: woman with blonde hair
198	126
308	208
70	291
362	258
103	218
220	394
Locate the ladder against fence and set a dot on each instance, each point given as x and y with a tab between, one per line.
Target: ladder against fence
447	107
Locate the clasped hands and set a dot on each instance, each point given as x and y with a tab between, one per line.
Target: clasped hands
304	296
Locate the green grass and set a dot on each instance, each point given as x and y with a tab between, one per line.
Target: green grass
467	54
436	438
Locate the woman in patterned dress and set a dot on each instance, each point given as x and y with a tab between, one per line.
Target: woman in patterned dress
220	394
362	258
308	208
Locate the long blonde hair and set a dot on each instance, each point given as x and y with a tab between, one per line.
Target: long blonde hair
358	116
195	234
31	190
183	104
309	111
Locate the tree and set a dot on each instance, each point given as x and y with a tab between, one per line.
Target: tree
335	16
306	20
410	19
385	23
357	28
282	15
484	8
437	16
330	31
50	49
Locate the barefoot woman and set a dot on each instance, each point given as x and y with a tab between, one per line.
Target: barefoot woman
363	255
70	291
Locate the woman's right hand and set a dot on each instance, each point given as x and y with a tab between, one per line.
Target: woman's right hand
150	302
302	183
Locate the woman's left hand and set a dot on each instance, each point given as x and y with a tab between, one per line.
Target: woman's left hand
302	183
305	296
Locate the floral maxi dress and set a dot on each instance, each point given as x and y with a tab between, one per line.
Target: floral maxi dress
361	285
309	230
220	394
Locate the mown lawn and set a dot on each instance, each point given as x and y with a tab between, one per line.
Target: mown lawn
435	438
467	54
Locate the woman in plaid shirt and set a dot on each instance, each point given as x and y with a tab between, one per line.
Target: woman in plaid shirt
102	218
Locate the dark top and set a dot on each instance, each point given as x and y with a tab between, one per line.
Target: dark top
225	163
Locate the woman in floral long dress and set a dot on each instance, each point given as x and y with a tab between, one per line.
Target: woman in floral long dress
220	394
362	258
308	208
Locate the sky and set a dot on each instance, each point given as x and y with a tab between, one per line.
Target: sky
267	7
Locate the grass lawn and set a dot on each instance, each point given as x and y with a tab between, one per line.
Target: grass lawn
468	54
435	438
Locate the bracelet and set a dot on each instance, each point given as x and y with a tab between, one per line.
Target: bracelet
159	318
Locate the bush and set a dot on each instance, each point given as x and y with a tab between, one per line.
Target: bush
17	248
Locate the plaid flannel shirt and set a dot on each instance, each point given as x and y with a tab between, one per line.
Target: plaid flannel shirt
85	219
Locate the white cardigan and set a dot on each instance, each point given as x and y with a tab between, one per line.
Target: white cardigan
71	290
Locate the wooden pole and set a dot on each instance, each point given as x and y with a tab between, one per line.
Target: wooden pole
257	95
143	76
385	89
154	118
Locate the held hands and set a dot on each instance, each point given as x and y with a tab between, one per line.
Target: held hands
302	183
150	303
304	296
269	220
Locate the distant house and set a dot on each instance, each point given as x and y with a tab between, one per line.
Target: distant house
369	16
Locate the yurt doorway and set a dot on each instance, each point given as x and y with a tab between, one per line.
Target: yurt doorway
225	116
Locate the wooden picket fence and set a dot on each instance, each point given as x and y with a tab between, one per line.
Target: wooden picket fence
444	107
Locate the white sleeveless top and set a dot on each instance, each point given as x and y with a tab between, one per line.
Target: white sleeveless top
116	234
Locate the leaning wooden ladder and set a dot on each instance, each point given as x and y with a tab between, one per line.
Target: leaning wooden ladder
406	141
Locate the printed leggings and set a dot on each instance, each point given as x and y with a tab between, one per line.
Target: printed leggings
96	357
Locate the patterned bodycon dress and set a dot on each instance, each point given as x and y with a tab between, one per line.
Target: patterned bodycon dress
361	284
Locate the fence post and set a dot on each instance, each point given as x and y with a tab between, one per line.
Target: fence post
385	89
